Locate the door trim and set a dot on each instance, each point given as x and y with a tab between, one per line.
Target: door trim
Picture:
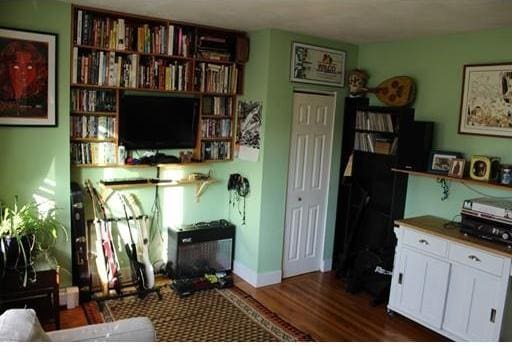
321	261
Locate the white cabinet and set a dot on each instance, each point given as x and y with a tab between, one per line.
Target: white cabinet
420	286
473	307
455	289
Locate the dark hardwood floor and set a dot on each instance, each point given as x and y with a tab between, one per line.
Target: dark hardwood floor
317	304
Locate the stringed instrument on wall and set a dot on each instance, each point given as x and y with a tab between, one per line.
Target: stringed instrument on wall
396	91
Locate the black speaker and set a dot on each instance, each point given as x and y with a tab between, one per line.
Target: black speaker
79	244
415	154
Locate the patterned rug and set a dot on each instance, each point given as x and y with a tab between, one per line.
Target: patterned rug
211	315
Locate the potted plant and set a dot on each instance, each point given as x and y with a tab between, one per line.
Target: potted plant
26	232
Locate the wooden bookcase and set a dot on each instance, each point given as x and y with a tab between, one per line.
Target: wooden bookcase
113	52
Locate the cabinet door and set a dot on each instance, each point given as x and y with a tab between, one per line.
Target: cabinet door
419	286
472	309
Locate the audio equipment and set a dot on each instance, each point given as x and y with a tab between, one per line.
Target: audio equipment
242	49
415	154
488	218
81	275
201	248
486	229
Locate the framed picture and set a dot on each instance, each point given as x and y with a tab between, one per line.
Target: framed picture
486	101
457	168
27	78
317	65
440	161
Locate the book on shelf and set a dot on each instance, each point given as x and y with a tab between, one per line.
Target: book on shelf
373	121
375	143
87	100
93	153
97	127
129	71
216	128
217	78
217	105
106	32
215	150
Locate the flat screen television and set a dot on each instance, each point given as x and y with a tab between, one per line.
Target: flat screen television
158	122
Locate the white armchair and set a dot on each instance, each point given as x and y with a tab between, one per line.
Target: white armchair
23	325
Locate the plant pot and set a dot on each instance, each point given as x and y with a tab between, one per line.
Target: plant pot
16	253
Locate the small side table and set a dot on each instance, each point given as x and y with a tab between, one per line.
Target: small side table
46	286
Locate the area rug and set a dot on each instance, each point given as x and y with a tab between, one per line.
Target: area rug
211	315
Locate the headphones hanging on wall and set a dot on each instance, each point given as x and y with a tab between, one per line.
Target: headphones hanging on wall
239	187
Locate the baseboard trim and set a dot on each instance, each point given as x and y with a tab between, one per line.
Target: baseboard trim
256	279
326	265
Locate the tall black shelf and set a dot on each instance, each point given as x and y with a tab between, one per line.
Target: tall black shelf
373	196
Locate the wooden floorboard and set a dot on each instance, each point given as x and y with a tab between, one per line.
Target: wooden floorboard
317	304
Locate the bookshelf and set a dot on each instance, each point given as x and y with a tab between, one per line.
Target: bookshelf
376	139
112	52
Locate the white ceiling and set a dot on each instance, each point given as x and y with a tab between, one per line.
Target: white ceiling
353	21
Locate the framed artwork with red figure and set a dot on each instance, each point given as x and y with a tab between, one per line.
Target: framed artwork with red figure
27	78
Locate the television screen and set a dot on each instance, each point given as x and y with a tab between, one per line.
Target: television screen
158	122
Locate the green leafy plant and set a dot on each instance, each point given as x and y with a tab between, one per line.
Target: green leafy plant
27	220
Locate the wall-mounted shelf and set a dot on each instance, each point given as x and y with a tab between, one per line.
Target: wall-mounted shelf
458	180
161	165
201	185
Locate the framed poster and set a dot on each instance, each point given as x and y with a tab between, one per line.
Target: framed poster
486	102
27	78
317	65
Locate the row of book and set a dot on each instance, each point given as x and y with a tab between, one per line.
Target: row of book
374	121
217	105
156	74
215	150
85	100
99	127
93	153
217	78
216	128
375	143
107	69
118	34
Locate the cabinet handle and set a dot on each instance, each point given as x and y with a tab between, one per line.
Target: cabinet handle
400	276
493	315
474	258
423	241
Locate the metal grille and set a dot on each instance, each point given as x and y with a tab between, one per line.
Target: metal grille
206	257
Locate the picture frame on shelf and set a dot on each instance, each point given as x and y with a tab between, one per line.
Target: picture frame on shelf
484	168
457	167
317	65
440	161
28	82
486	100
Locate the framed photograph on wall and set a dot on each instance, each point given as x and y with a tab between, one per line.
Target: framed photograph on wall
317	65
440	161
486	101
27	78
